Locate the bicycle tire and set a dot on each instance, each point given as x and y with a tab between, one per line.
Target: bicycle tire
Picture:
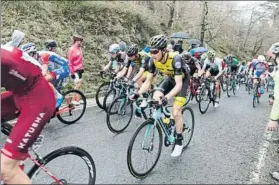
70	150
110	127
100	105
228	86
105	106
204	111
130	147
60	118
255	98
193	125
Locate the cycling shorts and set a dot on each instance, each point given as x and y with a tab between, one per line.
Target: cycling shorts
36	108
258	74
168	84
213	71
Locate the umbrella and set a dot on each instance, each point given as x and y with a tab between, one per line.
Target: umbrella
200	50
180	35
194	41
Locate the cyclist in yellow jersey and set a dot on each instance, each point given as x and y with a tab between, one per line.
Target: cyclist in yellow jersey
176	82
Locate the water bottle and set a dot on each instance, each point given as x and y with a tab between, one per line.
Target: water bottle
171	128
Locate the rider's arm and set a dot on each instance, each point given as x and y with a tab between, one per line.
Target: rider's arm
220	69
44	59
150	75
178	71
107	66
204	66
239	70
127	64
144	65
130	70
197	63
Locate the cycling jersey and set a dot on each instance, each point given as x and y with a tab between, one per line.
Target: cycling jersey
213	67
25	87
259	67
56	64
192	64
174	66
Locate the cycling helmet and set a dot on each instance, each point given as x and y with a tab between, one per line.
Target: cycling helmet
185	55
123	46
77	37
114	48
275	48
50	43
133	50
29	48
261	58
158	42
211	54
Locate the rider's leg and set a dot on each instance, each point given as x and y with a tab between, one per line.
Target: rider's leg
179	102
35	113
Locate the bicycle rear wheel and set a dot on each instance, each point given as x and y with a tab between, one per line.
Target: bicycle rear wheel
188	126
146	143
69	113
123	108
85	176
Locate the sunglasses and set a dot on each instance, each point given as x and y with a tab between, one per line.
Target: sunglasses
130	55
154	51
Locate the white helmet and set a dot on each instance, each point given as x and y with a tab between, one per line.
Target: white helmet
261	58
274	48
29	48
114	48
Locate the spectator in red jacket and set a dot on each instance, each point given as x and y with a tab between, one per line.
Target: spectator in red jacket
75	58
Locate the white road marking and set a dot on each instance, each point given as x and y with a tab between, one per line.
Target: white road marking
256	173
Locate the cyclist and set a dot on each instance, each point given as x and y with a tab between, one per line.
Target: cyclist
140	59
75	58
213	67
31	50
260	68
27	90
233	64
192	62
242	70
175	82
116	58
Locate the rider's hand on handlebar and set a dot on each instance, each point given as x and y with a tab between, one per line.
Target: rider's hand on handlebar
164	100
134	96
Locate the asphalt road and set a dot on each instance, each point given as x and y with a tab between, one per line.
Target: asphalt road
225	147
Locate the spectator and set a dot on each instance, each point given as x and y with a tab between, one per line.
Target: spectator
75	58
272	125
178	47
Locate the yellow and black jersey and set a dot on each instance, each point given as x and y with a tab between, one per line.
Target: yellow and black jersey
172	67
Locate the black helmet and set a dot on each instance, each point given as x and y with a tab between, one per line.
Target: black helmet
133	50
50	43
186	55
158	42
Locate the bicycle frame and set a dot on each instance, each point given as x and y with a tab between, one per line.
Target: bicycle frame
158	120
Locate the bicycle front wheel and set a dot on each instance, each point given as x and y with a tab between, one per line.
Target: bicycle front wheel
68	112
147	148
101	93
110	96
119	114
68	165
204	100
